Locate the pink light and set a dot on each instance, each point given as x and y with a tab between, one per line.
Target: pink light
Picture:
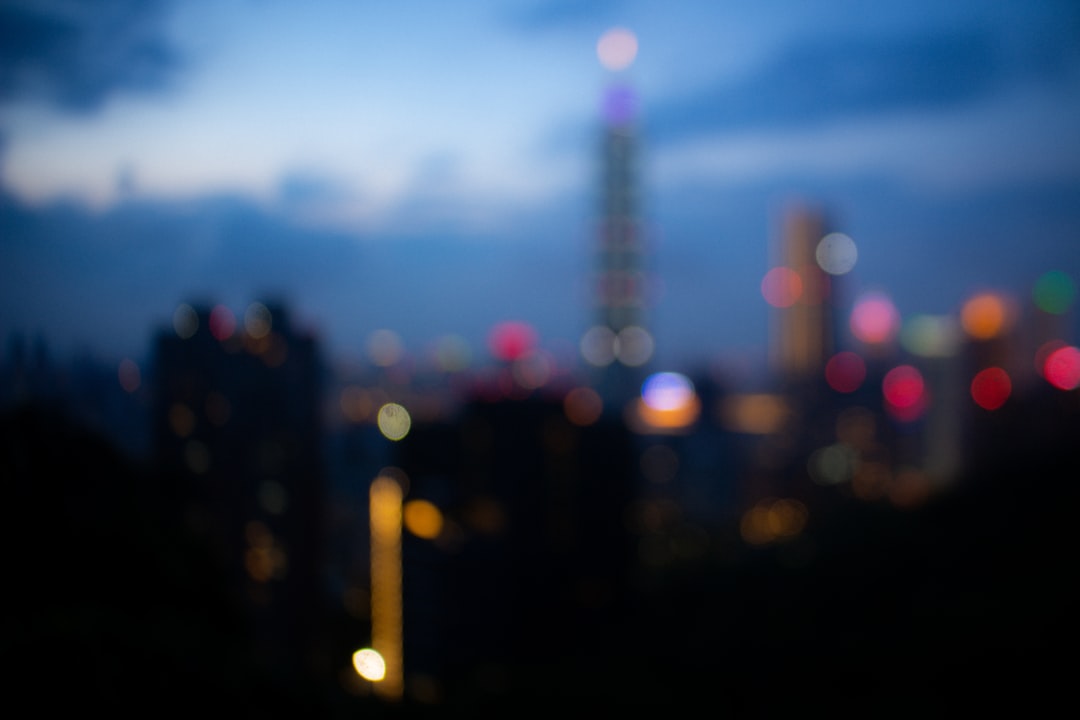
512	340
905	392
1062	368
782	287
874	320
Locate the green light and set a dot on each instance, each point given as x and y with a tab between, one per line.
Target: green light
1054	292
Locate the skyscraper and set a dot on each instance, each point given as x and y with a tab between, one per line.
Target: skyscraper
618	344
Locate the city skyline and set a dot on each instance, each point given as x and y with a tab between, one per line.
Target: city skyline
222	159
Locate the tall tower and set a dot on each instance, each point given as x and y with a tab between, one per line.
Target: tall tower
618	344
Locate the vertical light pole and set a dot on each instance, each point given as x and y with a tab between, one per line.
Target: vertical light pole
386	621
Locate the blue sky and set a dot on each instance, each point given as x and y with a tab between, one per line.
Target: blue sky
434	169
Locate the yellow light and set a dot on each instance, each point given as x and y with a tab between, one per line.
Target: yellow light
755	414
680	417
369	664
394	421
423	519
386	611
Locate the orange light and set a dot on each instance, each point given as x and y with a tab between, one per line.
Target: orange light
984	316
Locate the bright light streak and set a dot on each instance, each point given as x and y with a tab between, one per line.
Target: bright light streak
386	600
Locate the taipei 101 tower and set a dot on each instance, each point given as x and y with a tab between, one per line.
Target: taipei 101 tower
617	345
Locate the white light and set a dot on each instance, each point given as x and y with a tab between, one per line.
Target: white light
369	664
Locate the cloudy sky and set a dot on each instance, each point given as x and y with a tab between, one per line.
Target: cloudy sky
433	168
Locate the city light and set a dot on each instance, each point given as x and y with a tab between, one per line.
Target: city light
845	372
583	406
617	48
394	421
185	321
990	388
1054	292
369	664
512	340
222	323
905	392
836	254
422	518
781	287
1062	368
129	375
257	320
874	319
385	509
985	315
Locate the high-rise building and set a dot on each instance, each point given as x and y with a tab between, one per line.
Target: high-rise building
237	432
802	317
618	343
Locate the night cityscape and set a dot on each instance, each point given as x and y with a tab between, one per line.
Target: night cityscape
831	475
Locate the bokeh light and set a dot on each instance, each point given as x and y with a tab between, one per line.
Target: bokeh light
833	464
874	319
930	336
129	375
185	321
634	346
990	388
422	518
905	392
845	371
257	320
1062	368
667	390
222	323
598	346
836	254
755	413
773	519
1054	292
583	406
385	348
617	48
620	105
394	421
781	287
452	353
985	316
369	664
512	340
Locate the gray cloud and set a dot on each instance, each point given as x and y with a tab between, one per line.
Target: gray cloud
78	54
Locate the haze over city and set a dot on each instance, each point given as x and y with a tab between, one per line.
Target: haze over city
436	173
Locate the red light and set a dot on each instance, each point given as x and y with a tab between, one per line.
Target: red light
991	388
905	392
845	372
1062	368
222	322
512	340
